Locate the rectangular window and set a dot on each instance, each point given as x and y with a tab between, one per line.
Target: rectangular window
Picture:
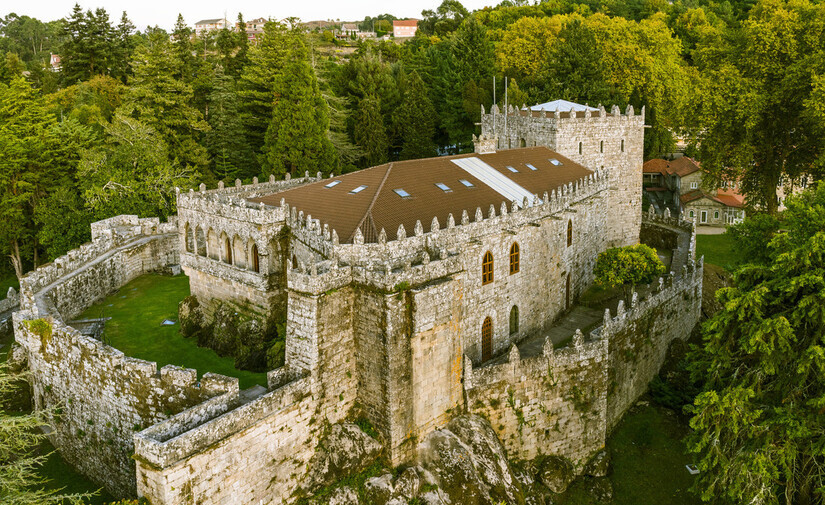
466	183
512	169
555	162
402	193
704	217
531	167
332	184
358	189
443	187
716	215
694	185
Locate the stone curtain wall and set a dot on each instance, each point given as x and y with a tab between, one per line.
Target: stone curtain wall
232	452
122	248
101	398
553	403
640	337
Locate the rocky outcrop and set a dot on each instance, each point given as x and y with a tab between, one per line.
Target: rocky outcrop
468	463
557	473
346	450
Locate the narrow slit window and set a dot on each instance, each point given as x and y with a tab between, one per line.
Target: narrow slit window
531	167
332	184
358	189
466	183
555	162
512	169
580	147
443	187
402	193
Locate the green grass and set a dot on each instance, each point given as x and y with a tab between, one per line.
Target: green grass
649	461
718	250
60	476
137	311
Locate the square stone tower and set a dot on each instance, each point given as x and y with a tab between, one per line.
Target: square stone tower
590	136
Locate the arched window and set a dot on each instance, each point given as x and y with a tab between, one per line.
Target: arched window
294	262
716	215
487	268
255	261
200	241
601	146
514	258
580	147
514	320
569	232
692	214
567	292
523	142
189	238
487	339
227	249
622	145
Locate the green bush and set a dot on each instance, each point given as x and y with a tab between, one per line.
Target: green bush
628	266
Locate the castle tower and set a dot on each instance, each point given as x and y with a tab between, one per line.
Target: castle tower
588	135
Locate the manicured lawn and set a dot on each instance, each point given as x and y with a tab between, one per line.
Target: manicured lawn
718	250
138	310
648	461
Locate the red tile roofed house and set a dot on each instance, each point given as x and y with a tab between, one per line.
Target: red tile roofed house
404	27
683	177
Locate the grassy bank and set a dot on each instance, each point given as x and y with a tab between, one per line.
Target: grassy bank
718	250
137	312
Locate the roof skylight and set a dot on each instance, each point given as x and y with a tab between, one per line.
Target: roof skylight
402	193
466	183
555	161
512	169
531	167
443	187
332	184
358	189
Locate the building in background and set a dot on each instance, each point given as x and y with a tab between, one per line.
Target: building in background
404	28
211	25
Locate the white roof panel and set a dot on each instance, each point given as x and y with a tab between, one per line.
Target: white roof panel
497	181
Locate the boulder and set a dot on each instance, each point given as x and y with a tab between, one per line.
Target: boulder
469	464
408	484
190	317
556	473
599	465
343	496
346	450
379	490
436	497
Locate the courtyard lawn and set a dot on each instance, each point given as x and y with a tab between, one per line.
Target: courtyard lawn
718	250
648	461
137	311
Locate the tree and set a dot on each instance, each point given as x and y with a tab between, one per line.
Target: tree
20	483
161	101
124	48
417	120
761	103
370	134
10	67
628	266
183	50
296	139
226	141
242	54
132	172
753	235
89	47
24	137
445	19
758	422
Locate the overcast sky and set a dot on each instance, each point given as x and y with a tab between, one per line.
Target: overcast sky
164	12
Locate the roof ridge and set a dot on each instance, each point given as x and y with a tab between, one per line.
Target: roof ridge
368	212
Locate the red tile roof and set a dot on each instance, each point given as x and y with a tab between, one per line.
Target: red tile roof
680	166
727	198
378	206
405	22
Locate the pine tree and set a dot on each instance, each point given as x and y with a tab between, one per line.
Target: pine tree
369	131
124	48
417	121
242	55
90	45
183	50
226	142
162	102
296	139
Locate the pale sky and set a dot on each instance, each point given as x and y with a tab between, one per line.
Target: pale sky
164	12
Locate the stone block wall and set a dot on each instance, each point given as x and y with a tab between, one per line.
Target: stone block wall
553	403
101	398
255	452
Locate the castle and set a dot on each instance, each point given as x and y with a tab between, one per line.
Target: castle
409	290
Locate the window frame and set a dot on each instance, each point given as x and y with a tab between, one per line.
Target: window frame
515	258
487	268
